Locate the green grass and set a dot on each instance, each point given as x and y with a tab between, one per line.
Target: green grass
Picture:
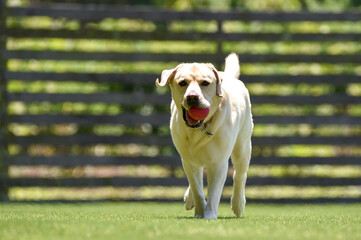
171	221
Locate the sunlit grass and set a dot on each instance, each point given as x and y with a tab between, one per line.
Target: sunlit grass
88	66
108	24
98	45
157	67
276	89
305	130
308	48
153	171
296	110
171	221
99	129
292	27
229	26
176	193
95	87
57	87
19	108
317	151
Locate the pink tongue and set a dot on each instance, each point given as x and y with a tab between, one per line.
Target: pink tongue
190	120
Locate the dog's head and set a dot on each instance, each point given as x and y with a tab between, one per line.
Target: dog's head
193	85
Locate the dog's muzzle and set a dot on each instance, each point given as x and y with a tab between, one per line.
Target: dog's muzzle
190	122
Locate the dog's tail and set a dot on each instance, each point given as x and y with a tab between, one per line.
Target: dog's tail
232	65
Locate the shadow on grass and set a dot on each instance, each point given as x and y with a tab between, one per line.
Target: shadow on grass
200	219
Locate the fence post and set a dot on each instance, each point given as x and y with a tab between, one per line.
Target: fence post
219	53
3	107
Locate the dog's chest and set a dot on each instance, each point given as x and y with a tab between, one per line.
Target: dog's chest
198	147
186	138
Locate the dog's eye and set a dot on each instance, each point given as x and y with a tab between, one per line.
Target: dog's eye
182	83
205	83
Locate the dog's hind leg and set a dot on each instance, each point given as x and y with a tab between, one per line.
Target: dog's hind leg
188	199
241	156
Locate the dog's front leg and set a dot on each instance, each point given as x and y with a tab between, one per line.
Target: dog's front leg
216	177
195	178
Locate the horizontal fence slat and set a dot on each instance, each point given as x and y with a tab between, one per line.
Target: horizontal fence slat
124	78
306	100
314	120
172	181
148	79
113	56
341	79
182	36
88	160
90	13
298	181
275	160
129	119
160	119
141	98
179	57
340	140
166	161
87	139
97	182
130	99
91	139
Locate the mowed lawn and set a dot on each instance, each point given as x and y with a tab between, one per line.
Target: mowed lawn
170	221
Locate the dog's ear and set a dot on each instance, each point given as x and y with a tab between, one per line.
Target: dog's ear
167	75
219	80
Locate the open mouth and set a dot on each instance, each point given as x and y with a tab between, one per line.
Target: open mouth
190	121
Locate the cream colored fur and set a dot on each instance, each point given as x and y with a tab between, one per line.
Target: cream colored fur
225	133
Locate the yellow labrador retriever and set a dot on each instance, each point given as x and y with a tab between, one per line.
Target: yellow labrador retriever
211	121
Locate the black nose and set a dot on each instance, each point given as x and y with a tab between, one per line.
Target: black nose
192	99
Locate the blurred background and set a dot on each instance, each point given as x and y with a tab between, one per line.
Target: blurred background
82	120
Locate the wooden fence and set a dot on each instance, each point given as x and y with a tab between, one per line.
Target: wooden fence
141	111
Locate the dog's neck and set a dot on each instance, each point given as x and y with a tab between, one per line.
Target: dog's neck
206	127
206	130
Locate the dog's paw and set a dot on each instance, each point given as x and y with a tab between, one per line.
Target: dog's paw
188	199
238	205
210	215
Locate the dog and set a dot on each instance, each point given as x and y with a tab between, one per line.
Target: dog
209	143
